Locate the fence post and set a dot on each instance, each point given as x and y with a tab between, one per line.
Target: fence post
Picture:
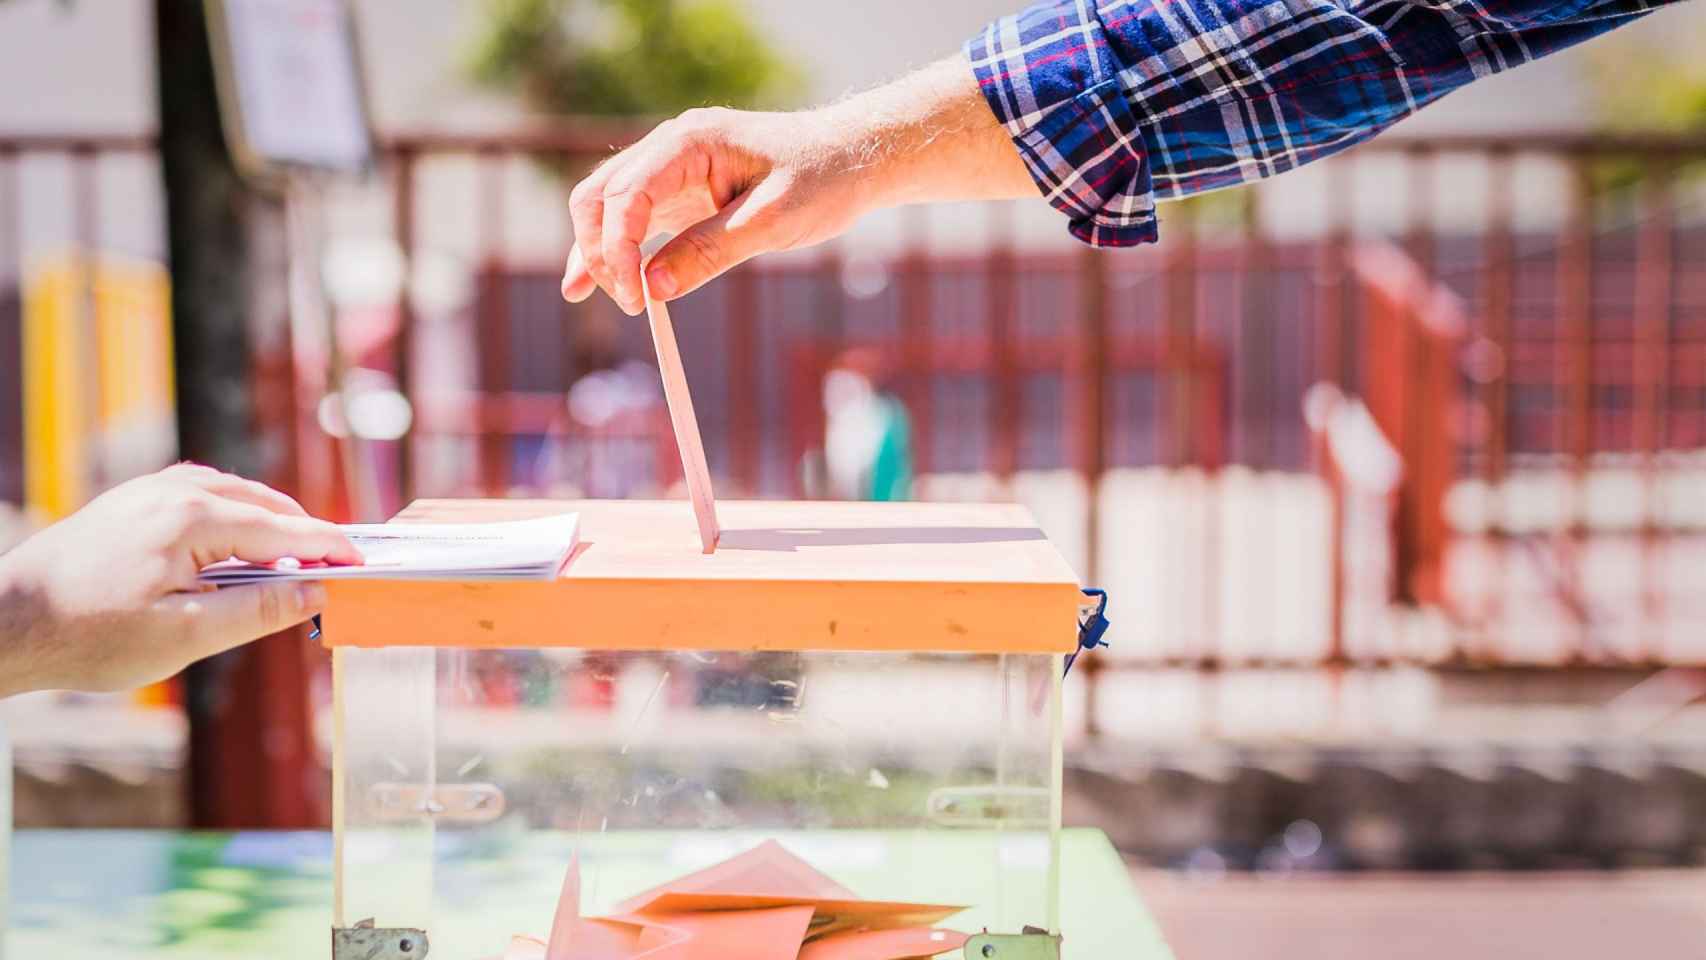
1321	406
1179	355
494	336
1492	371
741	348
1574	359
1092	364
822	343
1414	332
1655	288
11	332
403	228
918	341
1006	403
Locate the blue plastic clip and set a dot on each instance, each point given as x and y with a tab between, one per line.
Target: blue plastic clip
1092	627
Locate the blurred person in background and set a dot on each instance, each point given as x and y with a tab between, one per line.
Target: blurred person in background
867	442
617	463
108	598
1102	108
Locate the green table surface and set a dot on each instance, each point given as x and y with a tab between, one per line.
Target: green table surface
113	894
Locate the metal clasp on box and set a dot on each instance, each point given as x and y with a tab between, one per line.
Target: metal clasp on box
460	802
364	941
1033	944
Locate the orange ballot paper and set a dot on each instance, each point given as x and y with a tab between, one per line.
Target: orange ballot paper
883	945
686	424
765	904
767	870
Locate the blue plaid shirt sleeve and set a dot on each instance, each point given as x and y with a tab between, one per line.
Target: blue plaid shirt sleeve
1118	103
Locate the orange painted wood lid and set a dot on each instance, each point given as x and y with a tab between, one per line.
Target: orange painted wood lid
924	577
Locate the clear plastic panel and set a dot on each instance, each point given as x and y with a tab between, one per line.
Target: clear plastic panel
384	720
471	777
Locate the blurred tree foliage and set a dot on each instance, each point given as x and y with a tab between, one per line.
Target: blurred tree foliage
1639	87
628	57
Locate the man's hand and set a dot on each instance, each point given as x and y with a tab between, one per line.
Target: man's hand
731	184
109	598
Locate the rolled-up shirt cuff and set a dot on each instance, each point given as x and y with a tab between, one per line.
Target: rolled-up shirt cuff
1051	80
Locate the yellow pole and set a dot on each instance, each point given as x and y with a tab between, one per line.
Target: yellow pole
55	414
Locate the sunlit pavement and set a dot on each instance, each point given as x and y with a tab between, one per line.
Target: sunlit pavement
1465	916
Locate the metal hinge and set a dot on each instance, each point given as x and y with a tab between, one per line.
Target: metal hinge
364	941
1033	944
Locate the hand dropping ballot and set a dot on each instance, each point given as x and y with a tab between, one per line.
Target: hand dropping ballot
513	550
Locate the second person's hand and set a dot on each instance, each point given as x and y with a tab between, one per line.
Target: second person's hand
109	598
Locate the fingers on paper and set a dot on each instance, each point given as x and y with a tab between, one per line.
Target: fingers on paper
240	489
216	529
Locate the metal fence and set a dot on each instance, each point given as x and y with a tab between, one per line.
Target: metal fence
1574	360
1148	403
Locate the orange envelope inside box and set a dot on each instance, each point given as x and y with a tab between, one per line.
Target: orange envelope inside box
765	904
882	945
767	870
828	916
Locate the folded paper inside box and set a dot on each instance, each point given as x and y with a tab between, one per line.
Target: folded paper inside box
765	904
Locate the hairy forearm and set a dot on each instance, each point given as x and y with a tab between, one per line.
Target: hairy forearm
730	185
929	137
23	620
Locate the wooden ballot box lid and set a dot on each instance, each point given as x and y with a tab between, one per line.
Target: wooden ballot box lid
926	577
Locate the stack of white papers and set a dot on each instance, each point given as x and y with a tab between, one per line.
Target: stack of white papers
514	550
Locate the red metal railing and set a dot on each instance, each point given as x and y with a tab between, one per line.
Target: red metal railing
1582	343
1196	354
1415	335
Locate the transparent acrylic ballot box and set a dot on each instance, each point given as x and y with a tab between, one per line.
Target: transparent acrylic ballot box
874	687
